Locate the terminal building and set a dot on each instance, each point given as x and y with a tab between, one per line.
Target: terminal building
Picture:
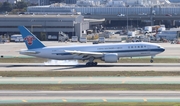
115	11
111	7
175	1
44	25
70	1
43	2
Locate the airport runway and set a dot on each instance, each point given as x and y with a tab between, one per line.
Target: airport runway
88	96
90	80
11	49
82	67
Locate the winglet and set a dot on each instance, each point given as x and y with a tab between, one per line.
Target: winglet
32	42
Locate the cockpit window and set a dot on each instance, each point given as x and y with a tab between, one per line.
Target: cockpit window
159	47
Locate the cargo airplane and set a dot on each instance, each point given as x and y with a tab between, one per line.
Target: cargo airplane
109	53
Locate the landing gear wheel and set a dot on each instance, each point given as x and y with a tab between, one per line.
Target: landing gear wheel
151	61
88	64
95	63
91	64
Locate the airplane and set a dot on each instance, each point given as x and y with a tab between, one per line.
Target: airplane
109	53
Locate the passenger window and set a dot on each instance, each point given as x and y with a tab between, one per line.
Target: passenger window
131	46
141	46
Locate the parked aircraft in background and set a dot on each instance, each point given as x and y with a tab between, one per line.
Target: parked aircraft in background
109	53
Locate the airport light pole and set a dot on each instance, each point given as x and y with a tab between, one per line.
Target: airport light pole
137	22
127	16
151	16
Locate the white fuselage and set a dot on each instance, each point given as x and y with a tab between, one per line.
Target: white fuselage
122	49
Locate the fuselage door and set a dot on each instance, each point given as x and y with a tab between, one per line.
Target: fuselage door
148	49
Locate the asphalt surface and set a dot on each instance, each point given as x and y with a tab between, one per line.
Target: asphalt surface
11	49
82	67
82	94
88	96
90	80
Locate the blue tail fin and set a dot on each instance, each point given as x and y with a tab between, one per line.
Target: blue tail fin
32	42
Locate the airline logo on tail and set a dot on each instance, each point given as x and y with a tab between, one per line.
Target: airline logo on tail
29	39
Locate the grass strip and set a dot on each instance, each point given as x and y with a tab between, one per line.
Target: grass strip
98	104
67	87
86	74
123	60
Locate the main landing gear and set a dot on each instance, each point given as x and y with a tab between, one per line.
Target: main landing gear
91	63
152	59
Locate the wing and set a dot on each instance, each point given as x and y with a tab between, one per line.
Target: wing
85	54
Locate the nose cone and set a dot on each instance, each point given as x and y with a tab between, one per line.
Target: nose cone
162	49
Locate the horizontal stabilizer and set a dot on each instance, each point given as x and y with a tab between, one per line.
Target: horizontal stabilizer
28	52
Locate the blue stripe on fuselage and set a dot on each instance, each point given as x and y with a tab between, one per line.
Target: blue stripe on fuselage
118	51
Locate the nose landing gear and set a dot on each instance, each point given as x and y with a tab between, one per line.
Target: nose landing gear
152	57
151	61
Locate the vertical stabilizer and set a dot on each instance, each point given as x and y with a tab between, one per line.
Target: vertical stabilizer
32	42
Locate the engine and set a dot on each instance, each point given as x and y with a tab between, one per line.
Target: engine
111	58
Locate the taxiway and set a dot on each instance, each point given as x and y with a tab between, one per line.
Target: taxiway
91	80
88	96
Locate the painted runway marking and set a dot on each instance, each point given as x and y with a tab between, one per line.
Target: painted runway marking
123	82
59	82
64	100
104	100
24	100
145	100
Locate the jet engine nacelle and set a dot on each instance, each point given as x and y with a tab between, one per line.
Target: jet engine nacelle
111	58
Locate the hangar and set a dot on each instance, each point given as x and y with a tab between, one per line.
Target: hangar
44	25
